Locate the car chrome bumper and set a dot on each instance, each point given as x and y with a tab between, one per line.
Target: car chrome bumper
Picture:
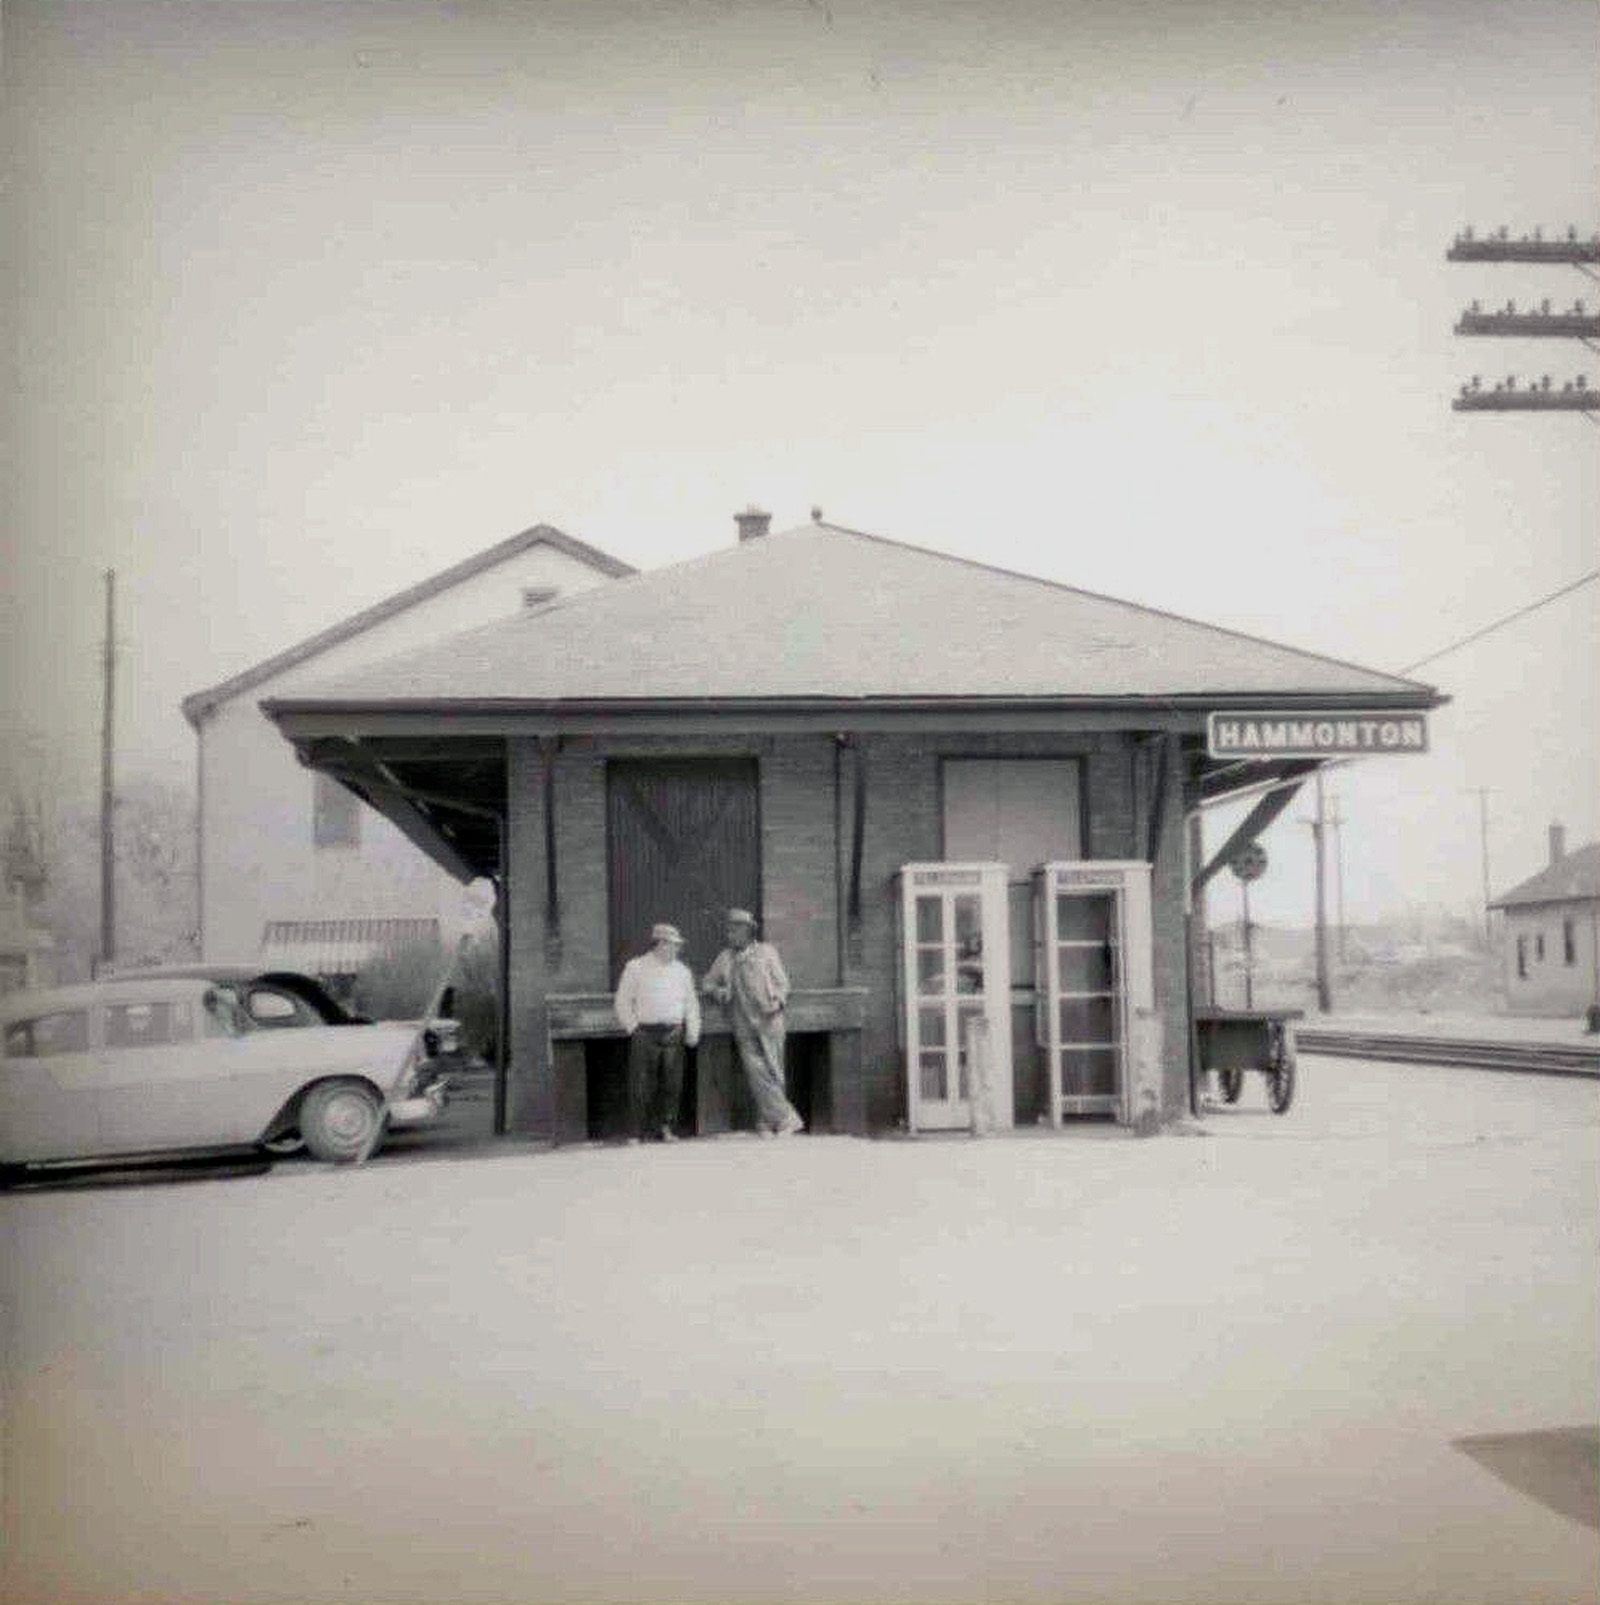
425	1105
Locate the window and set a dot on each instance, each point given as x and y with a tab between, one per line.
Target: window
335	814
48	1034
140	1025
1522	958
1569	942
539	595
270	1007
1538	948
1021	812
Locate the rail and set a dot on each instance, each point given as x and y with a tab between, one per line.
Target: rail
1542	1058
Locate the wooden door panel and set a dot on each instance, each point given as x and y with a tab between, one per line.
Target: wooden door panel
684	840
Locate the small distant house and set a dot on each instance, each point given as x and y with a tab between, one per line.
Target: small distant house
1550	934
956	798
293	869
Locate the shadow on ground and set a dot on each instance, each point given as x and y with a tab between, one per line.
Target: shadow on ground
1559	1467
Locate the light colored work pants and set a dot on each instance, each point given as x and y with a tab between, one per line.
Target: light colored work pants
761	1052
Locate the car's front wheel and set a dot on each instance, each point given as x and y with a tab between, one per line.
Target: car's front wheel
341	1121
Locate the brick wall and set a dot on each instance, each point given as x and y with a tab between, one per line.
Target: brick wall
803	869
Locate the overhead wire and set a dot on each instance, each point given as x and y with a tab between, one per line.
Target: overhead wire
1477	635
1489	629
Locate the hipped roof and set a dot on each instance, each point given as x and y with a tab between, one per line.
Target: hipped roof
822	612
1575	877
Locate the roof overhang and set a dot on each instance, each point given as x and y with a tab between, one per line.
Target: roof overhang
447	797
438	770
298	717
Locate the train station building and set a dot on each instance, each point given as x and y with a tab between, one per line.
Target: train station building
958	798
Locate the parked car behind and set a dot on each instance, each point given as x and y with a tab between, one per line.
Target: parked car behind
135	1066
279	998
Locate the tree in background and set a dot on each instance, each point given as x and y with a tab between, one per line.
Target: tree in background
157	883
399	983
477	1001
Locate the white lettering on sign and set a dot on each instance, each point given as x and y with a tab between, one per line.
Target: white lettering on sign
1266	735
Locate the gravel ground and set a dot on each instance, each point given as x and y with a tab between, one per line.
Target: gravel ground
1236	1365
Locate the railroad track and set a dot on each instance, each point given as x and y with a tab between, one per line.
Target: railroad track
1542	1059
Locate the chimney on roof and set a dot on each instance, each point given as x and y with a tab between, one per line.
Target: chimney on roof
1558	843
753	523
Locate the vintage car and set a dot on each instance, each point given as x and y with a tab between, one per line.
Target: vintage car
275	999
136	1066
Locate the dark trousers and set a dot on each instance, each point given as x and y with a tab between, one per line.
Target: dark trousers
655	1077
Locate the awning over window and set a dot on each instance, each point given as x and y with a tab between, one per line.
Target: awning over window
327	948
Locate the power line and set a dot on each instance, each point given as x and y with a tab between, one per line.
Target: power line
1339	763
1477	635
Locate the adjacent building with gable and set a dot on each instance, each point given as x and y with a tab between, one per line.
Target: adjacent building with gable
292	868
1550	934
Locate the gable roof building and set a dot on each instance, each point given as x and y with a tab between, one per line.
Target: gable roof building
823	614
544	537
1550	935
791	725
1573	877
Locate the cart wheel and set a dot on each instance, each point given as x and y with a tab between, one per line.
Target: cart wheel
1280	1085
1232	1084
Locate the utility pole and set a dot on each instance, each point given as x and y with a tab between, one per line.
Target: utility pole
1336	819
1249	864
108	800
1249	951
1541	323
1319	827
1482	794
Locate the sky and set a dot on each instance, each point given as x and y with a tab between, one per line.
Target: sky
305	302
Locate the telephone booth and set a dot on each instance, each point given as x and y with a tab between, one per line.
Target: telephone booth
955	992
1095	988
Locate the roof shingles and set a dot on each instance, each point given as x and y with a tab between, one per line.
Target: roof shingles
1574	877
825	612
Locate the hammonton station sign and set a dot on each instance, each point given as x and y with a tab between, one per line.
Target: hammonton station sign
1314	735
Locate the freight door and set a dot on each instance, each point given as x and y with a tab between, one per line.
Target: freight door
684	845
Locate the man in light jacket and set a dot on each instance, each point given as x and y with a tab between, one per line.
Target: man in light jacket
748	979
658	1009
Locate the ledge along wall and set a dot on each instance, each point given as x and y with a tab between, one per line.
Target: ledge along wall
807	835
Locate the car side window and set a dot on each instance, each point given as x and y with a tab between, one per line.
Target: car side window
270	1007
48	1034
139	1025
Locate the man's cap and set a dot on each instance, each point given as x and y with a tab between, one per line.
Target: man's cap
741	916
665	933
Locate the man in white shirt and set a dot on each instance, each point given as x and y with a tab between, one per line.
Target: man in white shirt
659	1011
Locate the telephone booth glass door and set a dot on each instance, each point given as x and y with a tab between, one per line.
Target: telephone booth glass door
955	977
1093	956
